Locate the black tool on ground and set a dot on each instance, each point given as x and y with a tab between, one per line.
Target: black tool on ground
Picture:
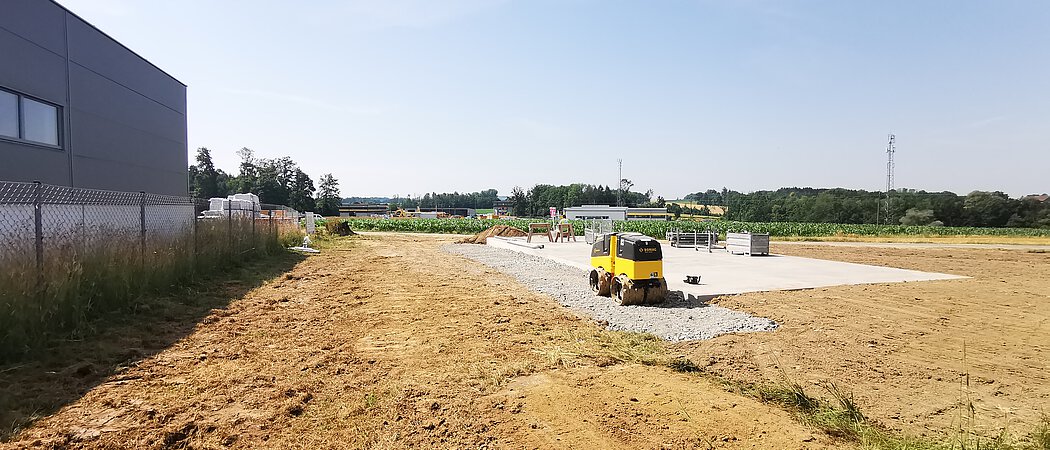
692	279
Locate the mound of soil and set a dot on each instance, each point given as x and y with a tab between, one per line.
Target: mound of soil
498	230
339	228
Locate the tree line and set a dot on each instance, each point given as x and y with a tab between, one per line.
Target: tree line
902	206
277	181
536	202
477	200
281	181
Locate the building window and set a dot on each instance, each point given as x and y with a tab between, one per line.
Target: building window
27	119
39	122
8	115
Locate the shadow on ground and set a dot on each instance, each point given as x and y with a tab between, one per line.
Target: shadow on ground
42	383
679	299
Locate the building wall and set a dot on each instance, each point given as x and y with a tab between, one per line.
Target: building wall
596	212
615	213
123	120
363	210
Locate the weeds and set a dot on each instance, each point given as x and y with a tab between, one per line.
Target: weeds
1040	437
559	357
839	416
371	400
683	365
845	401
622	346
92	271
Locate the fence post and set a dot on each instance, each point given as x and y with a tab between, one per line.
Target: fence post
229	231
193	217
38	230
142	227
252	213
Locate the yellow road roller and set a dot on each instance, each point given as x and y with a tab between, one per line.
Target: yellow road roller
629	268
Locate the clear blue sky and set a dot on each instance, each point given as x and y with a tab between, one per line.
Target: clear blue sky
411	96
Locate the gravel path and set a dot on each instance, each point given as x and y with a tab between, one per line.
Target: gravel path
677	319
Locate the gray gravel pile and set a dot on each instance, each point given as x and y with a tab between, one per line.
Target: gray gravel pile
677	319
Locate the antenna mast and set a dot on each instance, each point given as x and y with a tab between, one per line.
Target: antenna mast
619	182
891	148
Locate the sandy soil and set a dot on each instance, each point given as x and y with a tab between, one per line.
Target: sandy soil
386	341
1029	242
915	354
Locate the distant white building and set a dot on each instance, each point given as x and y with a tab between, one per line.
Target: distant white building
596	212
616	213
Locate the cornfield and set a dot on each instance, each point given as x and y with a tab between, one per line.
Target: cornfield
658	229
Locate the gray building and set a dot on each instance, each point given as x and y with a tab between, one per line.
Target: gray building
616	213
79	109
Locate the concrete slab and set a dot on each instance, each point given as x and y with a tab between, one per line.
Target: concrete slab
723	273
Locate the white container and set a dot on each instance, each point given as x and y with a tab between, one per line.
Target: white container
747	243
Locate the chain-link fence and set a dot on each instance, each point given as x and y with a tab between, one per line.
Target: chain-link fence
65	252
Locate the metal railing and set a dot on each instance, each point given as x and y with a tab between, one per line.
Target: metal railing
595	228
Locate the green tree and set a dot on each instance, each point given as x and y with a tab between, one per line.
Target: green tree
267	185
328	198
519	202
675	209
301	191
988	209
204	179
625	187
248	172
915	216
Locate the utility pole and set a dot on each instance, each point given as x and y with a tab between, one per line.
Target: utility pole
619	182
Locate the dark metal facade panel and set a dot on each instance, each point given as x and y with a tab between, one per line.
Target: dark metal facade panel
100	54
94	94
124	119
30	69
104	139
20	162
120	176
36	20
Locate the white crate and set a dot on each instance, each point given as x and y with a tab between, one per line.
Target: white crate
747	243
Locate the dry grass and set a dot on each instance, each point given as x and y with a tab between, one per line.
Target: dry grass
81	278
837	414
43	381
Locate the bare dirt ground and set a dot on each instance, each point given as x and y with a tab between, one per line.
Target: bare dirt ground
386	341
907	350
1006	242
